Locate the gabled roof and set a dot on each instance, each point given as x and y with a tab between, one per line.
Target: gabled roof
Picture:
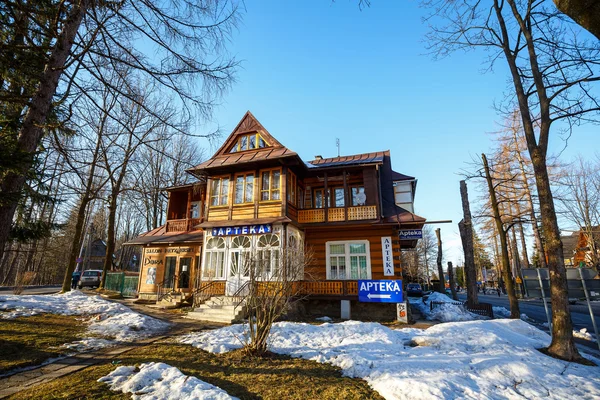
248	124
397	176
357	159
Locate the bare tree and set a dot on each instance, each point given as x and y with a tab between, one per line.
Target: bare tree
503	231
552	72
465	226
179	45
273	290
580	203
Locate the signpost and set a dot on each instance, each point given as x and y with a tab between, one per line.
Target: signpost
380	291
410	234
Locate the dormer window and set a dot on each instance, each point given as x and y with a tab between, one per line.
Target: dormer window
249	141
403	194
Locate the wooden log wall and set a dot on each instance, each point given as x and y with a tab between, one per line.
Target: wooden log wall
316	240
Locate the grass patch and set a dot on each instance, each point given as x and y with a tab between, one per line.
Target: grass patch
32	340
274	377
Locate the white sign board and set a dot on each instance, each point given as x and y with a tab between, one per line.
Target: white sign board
388	257
402	312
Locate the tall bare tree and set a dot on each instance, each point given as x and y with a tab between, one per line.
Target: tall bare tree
177	44
553	70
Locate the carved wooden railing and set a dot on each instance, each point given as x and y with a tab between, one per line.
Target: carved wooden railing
362	212
314	215
182	225
326	288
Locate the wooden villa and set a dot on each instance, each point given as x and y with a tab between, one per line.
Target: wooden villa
256	195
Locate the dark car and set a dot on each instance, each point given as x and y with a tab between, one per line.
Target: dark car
90	278
414	290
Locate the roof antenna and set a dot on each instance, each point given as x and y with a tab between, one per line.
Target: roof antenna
337	143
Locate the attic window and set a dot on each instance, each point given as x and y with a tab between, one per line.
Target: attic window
249	141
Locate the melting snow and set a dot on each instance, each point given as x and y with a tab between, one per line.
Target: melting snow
161	381
109	319
492	359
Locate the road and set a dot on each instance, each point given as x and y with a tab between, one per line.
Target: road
50	289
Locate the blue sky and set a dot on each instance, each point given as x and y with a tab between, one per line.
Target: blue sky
313	71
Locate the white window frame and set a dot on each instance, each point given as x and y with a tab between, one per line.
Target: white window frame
214	253
346	244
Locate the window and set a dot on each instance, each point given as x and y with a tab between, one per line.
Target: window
348	260
196	209
268	256
240	245
359	198
292	188
338	198
219	191
244	189
249	141
403	196
214	257
270	185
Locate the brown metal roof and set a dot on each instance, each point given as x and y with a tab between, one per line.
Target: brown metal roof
365	158
245	157
161	236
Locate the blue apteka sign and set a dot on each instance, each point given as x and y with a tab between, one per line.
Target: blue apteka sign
410	234
380	291
242	230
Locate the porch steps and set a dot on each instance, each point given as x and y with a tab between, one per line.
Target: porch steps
170	301
219	309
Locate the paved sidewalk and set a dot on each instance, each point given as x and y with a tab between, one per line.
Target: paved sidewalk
34	376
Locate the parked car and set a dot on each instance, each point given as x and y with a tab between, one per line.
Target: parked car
414	290
90	278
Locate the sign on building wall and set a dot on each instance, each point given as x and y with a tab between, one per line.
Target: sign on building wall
242	230
388	257
410	234
380	291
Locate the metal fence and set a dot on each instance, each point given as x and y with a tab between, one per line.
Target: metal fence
592	282
119	282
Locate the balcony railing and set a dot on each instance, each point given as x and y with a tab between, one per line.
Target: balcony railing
337	214
182	225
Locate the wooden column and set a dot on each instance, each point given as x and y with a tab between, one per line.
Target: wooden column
326	200
346	196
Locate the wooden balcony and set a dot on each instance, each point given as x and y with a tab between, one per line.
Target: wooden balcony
182	225
315	215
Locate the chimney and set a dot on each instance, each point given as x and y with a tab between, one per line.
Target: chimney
318	157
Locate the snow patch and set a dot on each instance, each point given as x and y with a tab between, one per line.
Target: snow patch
485	359
105	318
324	319
161	381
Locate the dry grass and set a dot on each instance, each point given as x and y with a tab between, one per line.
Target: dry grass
31	340
273	377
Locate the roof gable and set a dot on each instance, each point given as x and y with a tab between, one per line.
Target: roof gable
248	124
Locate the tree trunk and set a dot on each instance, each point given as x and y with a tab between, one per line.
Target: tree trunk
31	130
466	235
506	270
110	240
442	284
586	13
451	279
75	244
562	345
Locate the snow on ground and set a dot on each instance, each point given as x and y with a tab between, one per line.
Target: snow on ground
491	359
161	381
108	319
447	312
584	334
